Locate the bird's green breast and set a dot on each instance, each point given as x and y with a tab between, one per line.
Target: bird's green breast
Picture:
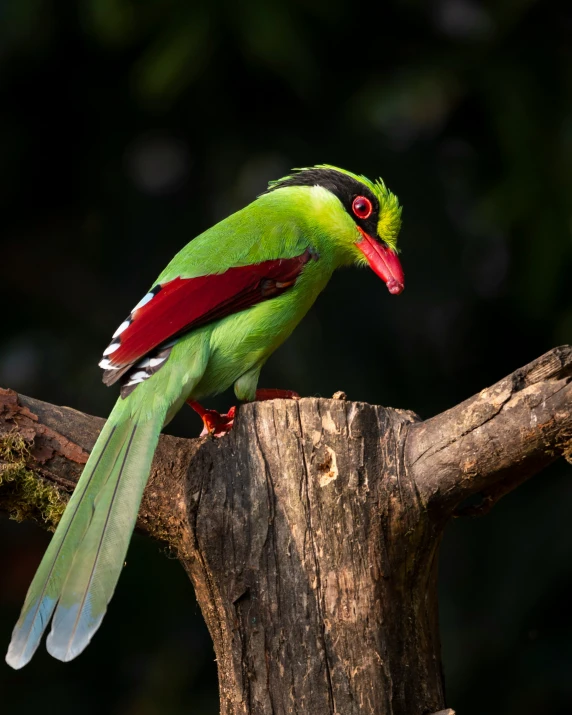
245	340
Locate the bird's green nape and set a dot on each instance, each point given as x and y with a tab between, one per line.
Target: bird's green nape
389	223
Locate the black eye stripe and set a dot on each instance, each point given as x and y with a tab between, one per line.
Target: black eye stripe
341	185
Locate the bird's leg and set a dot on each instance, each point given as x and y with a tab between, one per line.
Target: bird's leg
217	425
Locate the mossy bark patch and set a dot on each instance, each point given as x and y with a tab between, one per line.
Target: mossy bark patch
24	494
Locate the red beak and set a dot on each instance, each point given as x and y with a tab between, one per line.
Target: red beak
383	261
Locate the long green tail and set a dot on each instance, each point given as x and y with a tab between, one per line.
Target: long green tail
82	564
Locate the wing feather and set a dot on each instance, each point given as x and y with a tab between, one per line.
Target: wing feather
175	307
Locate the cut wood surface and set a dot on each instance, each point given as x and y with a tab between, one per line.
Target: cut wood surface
311	531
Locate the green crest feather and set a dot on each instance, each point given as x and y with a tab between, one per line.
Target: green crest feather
389	208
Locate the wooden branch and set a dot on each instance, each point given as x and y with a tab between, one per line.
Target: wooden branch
311	531
497	439
59	440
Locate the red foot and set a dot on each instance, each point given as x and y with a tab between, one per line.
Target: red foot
273	394
215	424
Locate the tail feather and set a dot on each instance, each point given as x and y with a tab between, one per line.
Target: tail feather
99	518
101	554
46	587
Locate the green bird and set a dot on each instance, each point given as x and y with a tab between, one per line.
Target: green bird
222	306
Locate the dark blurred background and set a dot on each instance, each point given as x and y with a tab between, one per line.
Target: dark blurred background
129	126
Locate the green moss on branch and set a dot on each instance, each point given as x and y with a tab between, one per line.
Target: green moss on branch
24	494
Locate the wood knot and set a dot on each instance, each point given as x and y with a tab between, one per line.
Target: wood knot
328	468
339	395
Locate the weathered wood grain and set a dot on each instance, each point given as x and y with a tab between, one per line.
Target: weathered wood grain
311	531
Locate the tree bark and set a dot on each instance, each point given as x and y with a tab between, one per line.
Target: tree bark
311	531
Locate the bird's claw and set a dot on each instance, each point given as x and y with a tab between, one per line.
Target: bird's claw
217	425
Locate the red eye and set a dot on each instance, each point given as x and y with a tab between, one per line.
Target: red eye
362	207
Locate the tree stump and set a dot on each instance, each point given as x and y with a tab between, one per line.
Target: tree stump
311	531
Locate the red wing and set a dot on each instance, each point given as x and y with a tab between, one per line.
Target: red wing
173	308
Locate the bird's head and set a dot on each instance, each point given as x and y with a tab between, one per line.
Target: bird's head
362	217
